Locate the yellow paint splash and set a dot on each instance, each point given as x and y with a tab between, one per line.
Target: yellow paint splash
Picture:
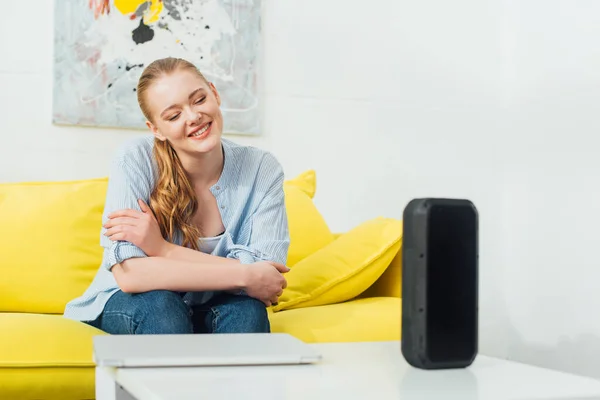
151	15
128	6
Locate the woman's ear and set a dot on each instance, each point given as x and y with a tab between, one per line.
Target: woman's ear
215	92
155	131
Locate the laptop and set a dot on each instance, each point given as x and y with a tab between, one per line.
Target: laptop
228	349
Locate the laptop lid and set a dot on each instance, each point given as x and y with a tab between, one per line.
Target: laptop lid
201	350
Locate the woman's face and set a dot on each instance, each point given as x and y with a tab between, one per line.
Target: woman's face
184	109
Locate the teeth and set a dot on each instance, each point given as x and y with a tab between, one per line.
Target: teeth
201	131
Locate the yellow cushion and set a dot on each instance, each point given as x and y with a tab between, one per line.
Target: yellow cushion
45	356
306	181
308	230
50	235
390	283
345	268
373	319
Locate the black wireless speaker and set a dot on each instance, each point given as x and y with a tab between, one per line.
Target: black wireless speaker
440	253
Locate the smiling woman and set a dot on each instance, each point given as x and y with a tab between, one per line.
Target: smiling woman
186	213
182	110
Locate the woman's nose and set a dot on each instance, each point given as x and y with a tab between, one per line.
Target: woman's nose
192	117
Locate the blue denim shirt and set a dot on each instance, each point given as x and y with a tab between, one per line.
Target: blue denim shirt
249	195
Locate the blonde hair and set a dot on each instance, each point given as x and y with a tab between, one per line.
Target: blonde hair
173	199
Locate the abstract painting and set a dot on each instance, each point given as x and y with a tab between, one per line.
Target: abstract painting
102	46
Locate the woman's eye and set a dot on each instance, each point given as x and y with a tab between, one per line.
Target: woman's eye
200	100
174	117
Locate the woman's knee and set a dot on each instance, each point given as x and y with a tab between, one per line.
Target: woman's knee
240	315
154	312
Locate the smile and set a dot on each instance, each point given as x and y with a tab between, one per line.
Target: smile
201	131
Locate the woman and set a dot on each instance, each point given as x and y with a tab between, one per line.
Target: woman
195	229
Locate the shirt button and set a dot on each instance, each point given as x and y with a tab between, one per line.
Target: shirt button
223	207
218	187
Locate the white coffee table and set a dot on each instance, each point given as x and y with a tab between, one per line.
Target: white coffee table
370	370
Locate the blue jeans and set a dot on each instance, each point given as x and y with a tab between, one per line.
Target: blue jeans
165	312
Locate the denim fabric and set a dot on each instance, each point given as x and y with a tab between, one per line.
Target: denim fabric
165	312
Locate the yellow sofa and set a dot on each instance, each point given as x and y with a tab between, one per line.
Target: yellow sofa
50	252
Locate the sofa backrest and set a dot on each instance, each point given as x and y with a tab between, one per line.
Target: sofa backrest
50	243
50	240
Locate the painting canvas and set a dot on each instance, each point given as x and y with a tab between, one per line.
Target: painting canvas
102	46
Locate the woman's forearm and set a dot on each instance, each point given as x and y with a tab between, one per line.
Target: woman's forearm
175	252
137	275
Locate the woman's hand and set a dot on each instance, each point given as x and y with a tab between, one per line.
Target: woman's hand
137	227
264	281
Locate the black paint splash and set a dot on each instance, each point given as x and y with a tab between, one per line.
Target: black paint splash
142	34
130	67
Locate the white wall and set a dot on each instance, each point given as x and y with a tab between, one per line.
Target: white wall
551	191
496	101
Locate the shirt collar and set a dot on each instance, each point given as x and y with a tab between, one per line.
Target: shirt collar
231	165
